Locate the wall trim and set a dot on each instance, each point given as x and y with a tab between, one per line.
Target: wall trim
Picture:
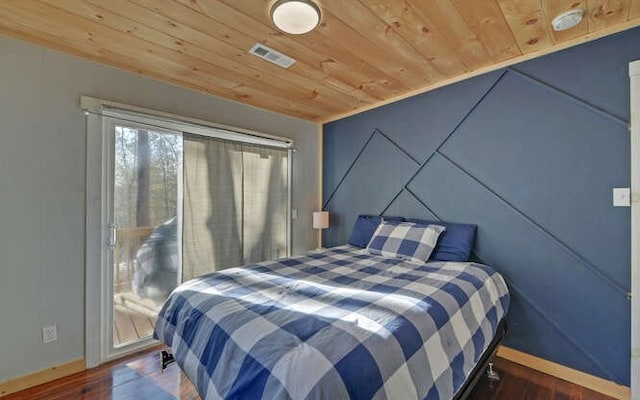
594	383
320	176
43	376
634	74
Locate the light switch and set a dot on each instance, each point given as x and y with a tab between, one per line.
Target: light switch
294	213
621	197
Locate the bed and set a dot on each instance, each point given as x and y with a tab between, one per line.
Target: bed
335	324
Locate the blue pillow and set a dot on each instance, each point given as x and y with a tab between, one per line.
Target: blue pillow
455	242
364	228
406	240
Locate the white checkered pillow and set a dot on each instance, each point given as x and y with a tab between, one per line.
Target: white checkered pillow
412	242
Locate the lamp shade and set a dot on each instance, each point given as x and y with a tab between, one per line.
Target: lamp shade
295	16
320	219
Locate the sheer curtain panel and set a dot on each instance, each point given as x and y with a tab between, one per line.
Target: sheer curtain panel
235	204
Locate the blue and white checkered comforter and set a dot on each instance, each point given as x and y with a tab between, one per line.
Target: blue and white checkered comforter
334	324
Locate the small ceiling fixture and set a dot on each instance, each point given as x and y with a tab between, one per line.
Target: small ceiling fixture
567	20
271	55
295	16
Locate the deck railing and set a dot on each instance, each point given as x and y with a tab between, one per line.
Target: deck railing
124	254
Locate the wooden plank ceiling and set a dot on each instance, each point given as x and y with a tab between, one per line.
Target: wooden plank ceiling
364	53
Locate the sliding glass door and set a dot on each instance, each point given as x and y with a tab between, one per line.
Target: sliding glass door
144	228
176	201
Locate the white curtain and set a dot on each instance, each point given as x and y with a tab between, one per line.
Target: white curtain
235	204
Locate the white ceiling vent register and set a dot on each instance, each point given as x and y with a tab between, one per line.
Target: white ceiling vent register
271	55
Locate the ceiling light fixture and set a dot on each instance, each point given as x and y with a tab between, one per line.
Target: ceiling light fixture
567	20
295	16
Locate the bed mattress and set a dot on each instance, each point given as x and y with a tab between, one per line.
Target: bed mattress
334	324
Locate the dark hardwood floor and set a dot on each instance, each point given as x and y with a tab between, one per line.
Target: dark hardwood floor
139	377
520	382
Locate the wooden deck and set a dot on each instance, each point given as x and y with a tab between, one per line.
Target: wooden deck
134	318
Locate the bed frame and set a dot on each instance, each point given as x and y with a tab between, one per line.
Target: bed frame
485	364
166	359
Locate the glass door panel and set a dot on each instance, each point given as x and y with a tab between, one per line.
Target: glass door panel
147	194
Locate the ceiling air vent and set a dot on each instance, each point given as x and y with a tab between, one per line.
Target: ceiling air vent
271	55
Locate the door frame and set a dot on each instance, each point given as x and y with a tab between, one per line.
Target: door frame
634	74
94	237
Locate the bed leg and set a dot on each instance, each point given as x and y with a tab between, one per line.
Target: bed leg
492	374
166	359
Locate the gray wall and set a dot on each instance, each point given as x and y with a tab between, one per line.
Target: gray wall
530	154
42	188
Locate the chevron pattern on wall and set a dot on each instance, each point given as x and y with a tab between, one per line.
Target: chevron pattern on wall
530	154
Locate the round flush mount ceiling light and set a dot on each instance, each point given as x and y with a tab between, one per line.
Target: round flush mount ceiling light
567	20
295	16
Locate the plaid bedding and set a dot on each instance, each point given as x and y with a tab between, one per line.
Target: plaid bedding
334	324
406	240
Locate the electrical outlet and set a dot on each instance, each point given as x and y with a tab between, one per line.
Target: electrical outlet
49	334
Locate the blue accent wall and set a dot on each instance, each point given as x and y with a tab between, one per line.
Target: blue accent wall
530	154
